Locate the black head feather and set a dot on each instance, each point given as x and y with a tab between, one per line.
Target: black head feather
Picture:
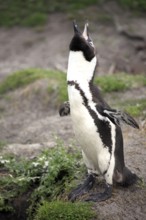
79	43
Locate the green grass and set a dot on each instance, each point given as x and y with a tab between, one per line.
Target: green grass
19	79
135	108
108	83
120	82
34	13
65	211
57	86
36	19
138	5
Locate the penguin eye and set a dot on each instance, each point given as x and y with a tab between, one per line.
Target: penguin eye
90	42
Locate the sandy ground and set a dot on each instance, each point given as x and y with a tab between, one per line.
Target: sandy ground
28	123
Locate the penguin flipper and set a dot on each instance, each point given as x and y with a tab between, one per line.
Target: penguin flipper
64	109
121	116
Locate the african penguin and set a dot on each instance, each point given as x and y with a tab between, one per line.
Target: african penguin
96	125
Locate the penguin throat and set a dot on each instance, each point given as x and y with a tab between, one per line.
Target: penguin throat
79	69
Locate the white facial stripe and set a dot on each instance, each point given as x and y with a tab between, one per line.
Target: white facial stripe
85	34
79	69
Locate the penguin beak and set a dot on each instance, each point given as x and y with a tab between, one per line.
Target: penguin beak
76	29
86	36
85	33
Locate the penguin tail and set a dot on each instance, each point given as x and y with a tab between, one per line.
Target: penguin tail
129	178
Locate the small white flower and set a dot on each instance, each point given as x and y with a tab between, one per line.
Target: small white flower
3	161
42	158
35	164
46	164
11	175
21	179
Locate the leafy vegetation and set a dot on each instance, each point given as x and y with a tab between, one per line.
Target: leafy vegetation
34	13
66	211
50	176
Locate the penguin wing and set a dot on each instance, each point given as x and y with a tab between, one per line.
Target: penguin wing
116	116
120	116
64	109
97	97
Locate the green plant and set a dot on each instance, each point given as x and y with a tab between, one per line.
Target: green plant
5	207
49	176
65	211
60	173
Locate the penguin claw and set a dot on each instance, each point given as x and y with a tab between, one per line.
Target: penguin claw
100	196
82	188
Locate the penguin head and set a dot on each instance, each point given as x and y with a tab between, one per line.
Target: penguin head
82	59
81	42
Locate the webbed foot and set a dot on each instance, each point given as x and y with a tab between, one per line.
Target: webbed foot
101	196
83	188
64	109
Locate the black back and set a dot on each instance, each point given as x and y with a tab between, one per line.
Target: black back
97	97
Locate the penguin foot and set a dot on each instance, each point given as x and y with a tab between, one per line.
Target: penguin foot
64	109
82	188
101	196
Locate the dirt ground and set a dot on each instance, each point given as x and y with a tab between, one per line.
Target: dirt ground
28	123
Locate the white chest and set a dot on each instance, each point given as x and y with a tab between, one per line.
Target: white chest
86	131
